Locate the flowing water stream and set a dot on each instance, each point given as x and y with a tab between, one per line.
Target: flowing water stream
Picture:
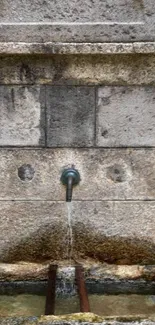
107	305
70	232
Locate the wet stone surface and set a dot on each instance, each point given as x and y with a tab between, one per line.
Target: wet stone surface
102	305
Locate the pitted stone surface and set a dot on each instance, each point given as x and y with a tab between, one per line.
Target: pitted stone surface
66	11
115	232
125	117
76	48
89	21
75	319
106	174
28	271
86	32
78	69
33	231
70	116
21	116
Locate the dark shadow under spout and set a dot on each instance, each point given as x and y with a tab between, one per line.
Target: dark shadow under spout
70	177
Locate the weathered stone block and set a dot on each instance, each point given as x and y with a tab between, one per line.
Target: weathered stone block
66	21
97	69
78	69
82	32
106	174
28	271
115	232
18	48
126	117
21	116
66	11
79	319
33	231
70	116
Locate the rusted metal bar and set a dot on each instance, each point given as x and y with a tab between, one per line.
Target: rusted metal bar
82	291
51	288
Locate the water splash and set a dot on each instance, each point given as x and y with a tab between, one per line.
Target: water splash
69	232
66	278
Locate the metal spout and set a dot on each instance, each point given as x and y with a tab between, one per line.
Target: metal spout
70	177
69	189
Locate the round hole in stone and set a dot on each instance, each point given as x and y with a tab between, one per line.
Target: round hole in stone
116	173
26	172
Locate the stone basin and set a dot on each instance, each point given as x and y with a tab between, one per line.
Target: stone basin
117	286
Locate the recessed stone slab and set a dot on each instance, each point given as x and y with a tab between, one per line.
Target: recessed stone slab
106	174
70	116
126	116
21	116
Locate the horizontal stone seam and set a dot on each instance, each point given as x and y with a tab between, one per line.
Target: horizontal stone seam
79	84
78	201
51	85
43	147
74	23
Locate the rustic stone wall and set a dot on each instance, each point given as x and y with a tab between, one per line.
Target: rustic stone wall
77	21
77	84
93	111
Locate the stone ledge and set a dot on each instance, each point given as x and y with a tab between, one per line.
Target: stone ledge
76	48
79	318
27	271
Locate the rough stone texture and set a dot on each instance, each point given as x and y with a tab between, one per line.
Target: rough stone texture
93	270
70	116
106	174
77	22
21	116
78	69
85	32
125	116
76	48
75	319
115	232
23	271
66	11
33	231
109	229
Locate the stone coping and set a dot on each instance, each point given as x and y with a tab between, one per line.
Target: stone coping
76	48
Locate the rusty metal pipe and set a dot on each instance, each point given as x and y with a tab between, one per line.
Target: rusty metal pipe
51	288
82	291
